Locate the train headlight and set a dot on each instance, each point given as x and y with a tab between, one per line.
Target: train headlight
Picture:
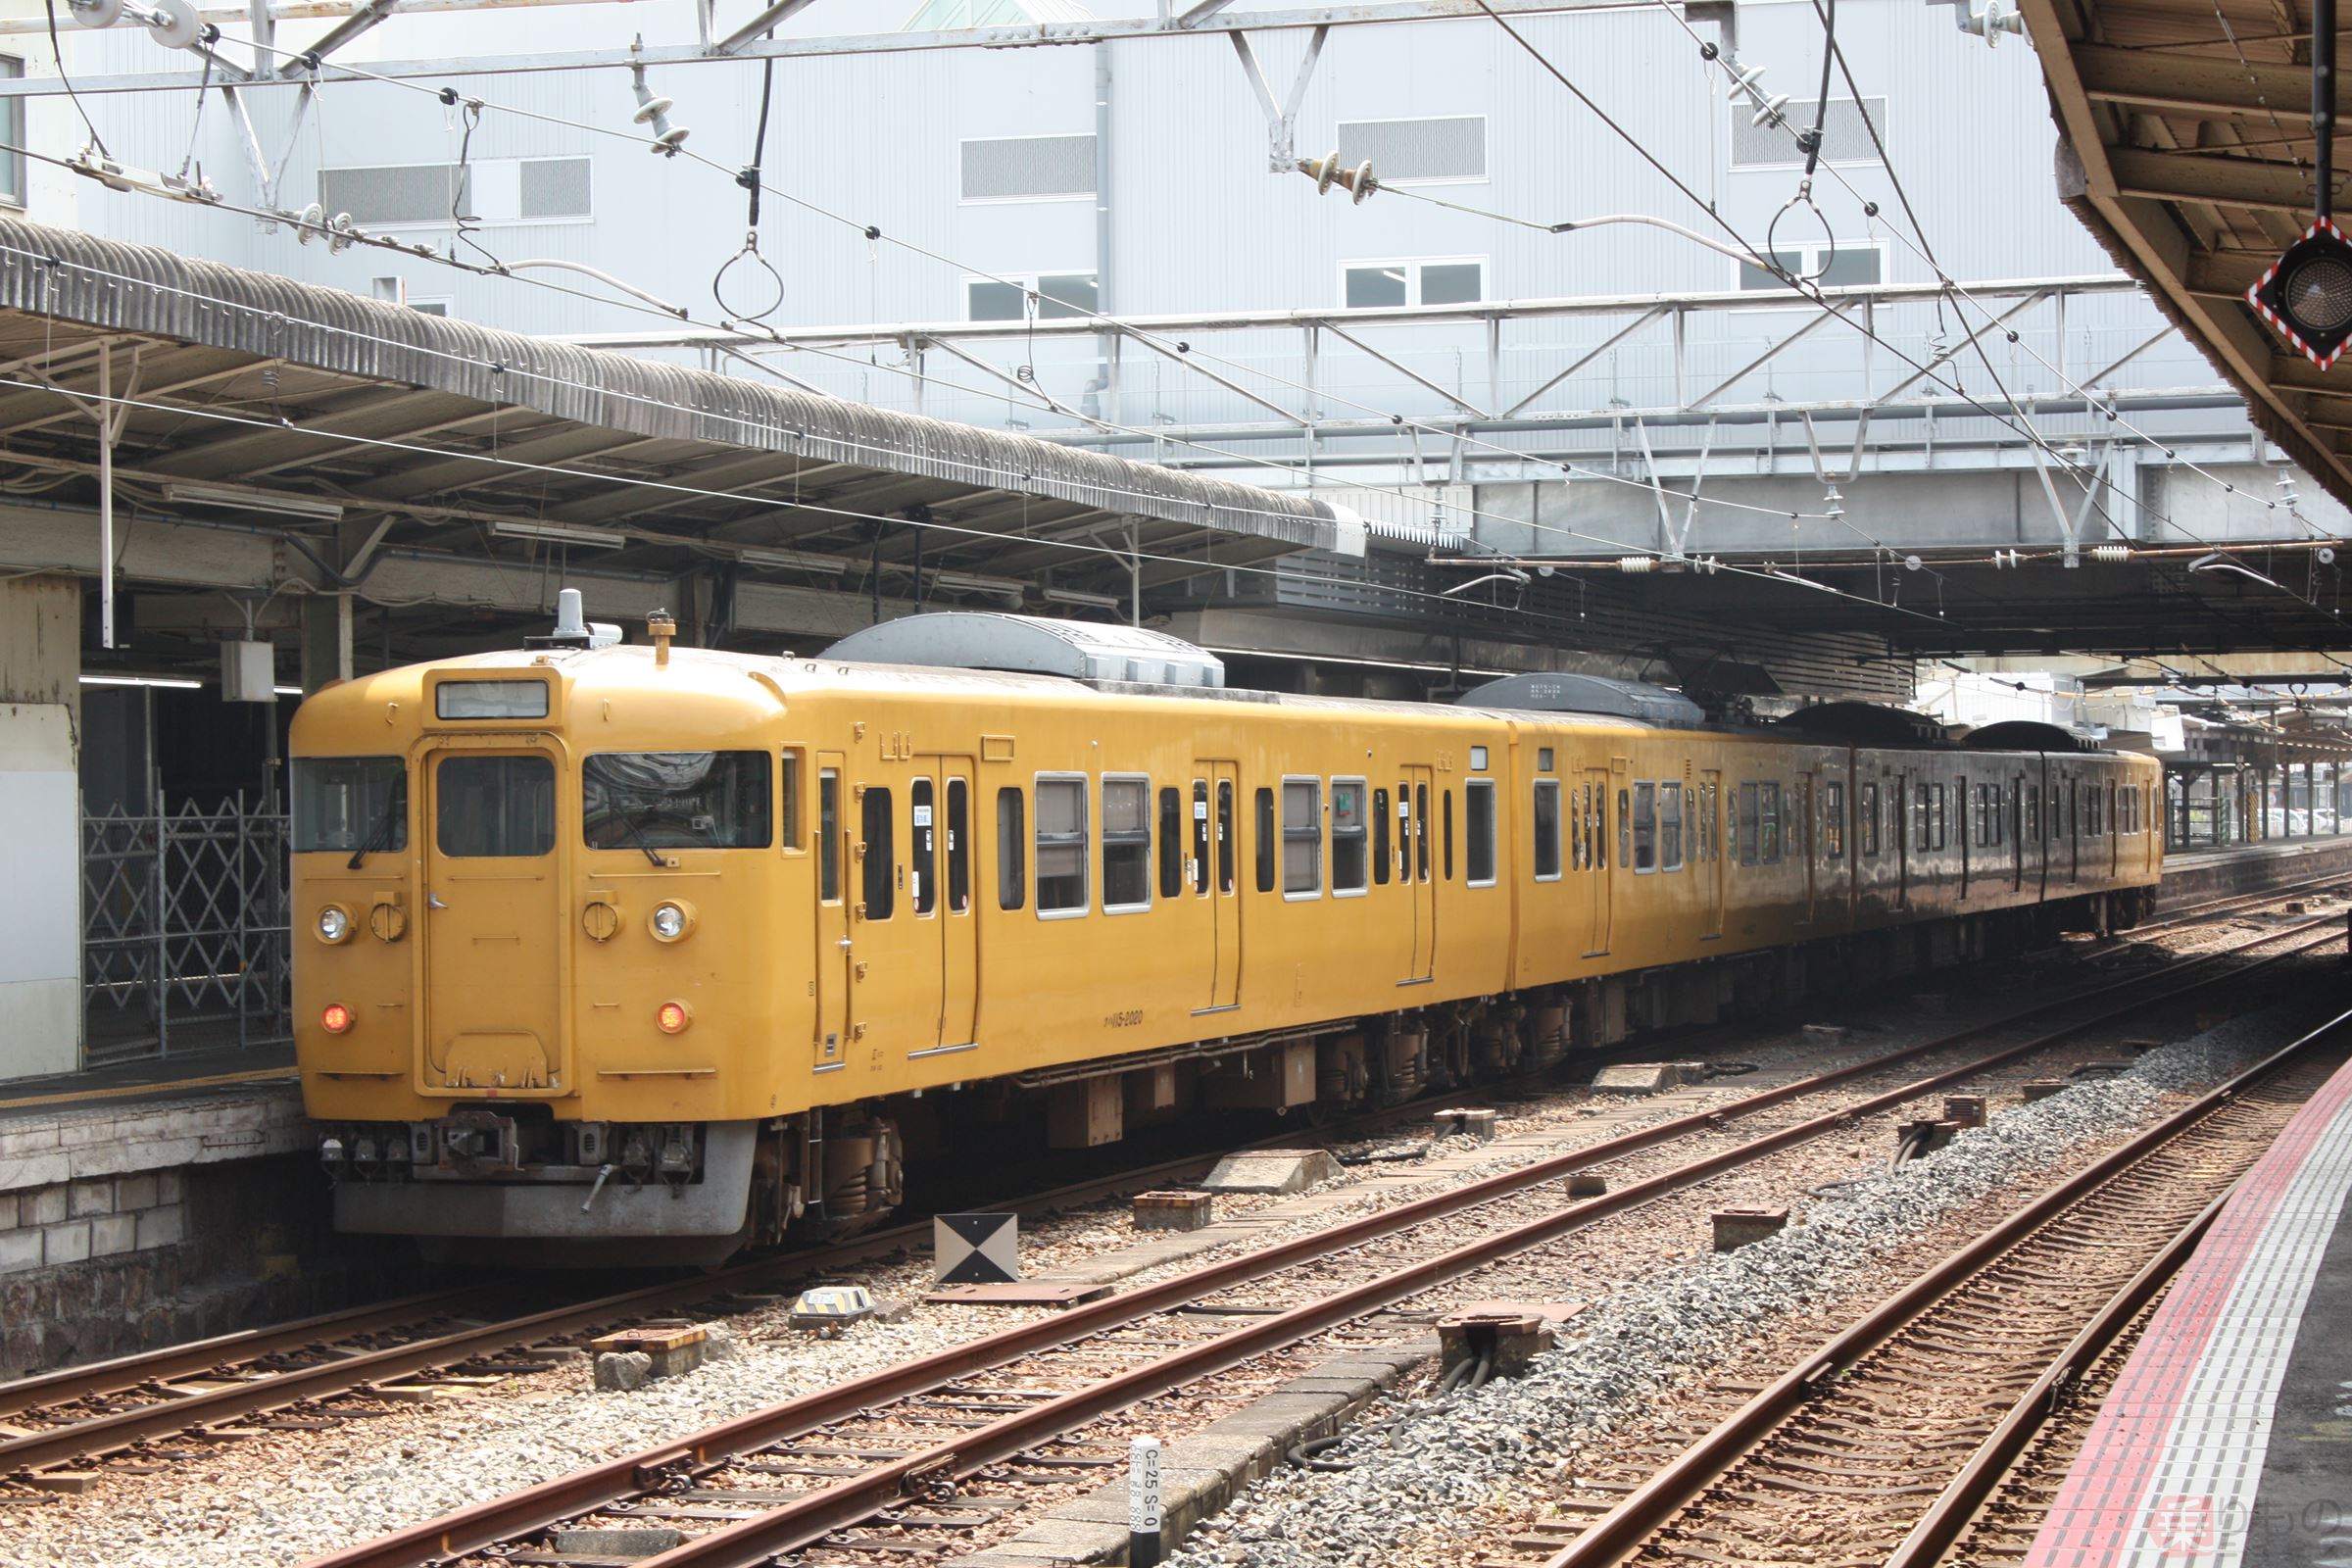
672	1017
671	919
334	923
334	1018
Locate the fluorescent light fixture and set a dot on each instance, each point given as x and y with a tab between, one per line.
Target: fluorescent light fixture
230	495
978	583
169	682
287	691
798	560
1073	596
557	533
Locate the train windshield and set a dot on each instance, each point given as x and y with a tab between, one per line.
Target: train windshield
350	803
676	800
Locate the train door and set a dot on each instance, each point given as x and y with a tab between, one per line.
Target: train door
1708	852
831	963
1216	876
1412	811
492	940
1595	799
895	973
947	859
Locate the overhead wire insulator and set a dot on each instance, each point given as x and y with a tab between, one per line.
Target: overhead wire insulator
2110	555
1637	566
653	109
1326	173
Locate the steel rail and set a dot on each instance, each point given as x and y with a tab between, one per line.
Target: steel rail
1616	1534
2240	902
1948	1515
585	1491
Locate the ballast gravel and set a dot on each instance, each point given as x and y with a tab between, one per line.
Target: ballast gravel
1417	1463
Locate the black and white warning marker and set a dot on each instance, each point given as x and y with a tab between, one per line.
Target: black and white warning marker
975	1249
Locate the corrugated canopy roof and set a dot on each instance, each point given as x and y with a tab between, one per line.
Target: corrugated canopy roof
442	439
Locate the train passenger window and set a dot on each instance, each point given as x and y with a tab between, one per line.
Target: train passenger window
1012	877
495	807
1448	845
1350	846
1768	822
876	852
1832	821
1670	826
1750	806
1548	830
1171	841
1478	804
351	804
1263	803
959	847
1645	827
1379	837
1126	844
1200	835
1060	846
1866	820
1301	838
828	836
1421	830
788	802
1227	833
923	874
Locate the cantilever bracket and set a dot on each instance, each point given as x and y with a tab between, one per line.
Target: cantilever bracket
1282	120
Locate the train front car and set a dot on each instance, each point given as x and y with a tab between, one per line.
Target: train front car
540	952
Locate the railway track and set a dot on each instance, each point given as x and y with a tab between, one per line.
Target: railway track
1880	1445
933	1455
313	1372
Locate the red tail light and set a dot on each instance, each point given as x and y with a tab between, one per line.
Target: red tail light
672	1018
334	1018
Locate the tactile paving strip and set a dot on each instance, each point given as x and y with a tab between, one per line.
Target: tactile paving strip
2169	1472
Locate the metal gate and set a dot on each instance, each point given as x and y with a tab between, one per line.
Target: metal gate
184	931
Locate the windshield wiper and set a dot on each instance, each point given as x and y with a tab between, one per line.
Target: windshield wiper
637	837
379	837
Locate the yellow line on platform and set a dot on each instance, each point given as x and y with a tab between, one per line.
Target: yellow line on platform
128	1090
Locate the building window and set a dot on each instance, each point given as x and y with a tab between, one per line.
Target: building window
1845	136
1060	296
1301	838
1478	804
1449	148
12	131
1548	830
1349	836
1126	844
493	190
1854	261
433	307
552	189
1388	285
1061	846
1028	168
1670	826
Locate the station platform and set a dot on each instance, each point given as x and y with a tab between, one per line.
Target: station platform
2194	876
2226	1441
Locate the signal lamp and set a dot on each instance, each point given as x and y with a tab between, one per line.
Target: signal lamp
2306	294
672	1018
334	1018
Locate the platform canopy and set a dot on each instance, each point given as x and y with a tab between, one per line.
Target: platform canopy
275	440
2188	151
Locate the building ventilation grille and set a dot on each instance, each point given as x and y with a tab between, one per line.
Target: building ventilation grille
412	193
1404	150
1028	168
1845	138
554	188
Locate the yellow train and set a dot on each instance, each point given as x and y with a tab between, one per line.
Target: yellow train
653	951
